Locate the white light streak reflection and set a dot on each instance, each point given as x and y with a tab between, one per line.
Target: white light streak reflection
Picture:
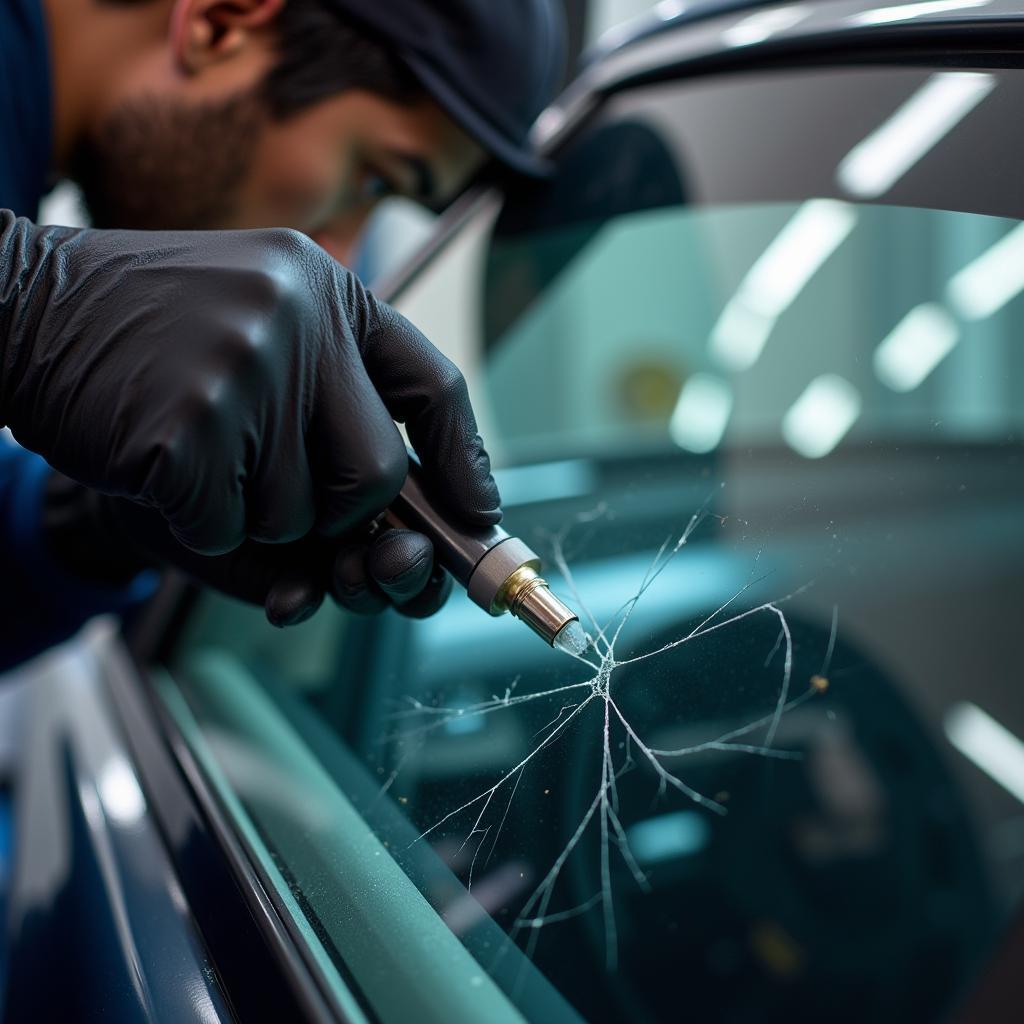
989	282
989	744
915	346
701	413
821	417
757	27
120	794
775	280
875	164
669	9
906	12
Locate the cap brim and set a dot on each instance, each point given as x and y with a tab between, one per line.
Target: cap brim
503	149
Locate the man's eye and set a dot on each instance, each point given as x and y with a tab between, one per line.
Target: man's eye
376	186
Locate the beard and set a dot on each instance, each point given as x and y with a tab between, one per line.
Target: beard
160	164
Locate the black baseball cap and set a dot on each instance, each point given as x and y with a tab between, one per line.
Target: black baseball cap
492	65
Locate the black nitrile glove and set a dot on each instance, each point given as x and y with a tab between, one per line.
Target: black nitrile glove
107	540
243	384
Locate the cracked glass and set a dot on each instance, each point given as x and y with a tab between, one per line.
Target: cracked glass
755	397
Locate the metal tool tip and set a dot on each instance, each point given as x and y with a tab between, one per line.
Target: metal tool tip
572	638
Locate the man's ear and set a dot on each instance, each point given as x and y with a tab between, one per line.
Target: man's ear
205	32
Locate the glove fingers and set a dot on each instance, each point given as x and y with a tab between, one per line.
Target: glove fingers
425	390
351	584
206	536
294	597
400	561
282	507
287	579
431	598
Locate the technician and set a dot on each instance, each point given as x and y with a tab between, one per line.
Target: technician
225	383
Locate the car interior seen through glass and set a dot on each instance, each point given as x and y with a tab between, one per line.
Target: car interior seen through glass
749	365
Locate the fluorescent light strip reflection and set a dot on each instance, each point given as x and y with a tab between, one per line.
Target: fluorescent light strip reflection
701	413
875	164
668	837
755	28
821	417
915	346
989	744
905	12
988	283
775	280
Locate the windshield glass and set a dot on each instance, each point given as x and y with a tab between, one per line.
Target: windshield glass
769	445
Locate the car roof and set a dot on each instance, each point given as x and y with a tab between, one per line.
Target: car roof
776	19
677	38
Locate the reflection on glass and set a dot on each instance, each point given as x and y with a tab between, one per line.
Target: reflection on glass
989	744
906	12
874	165
915	346
989	282
702	413
778	276
872	314
761	25
822	416
667	837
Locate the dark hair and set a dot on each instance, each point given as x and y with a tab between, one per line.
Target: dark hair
321	54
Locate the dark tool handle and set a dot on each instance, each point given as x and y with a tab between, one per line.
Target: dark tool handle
458	549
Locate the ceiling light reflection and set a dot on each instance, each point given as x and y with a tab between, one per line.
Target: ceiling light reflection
701	413
669	9
915	346
755	28
905	12
120	794
821	417
989	744
668	836
778	276
988	283
875	164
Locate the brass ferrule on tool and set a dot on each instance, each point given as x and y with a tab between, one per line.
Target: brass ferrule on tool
500	572
528	598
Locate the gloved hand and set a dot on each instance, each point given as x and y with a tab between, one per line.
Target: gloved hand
105	540
243	384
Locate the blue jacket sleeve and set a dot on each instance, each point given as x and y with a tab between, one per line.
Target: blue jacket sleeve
40	604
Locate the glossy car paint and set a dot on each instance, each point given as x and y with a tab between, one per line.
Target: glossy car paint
99	922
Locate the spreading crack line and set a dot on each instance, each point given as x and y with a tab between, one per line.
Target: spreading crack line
489	809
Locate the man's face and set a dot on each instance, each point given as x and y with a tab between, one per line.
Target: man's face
163	161
325	170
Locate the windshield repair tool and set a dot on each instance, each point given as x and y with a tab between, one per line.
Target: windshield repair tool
500	572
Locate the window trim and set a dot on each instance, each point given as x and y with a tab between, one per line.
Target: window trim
248	931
